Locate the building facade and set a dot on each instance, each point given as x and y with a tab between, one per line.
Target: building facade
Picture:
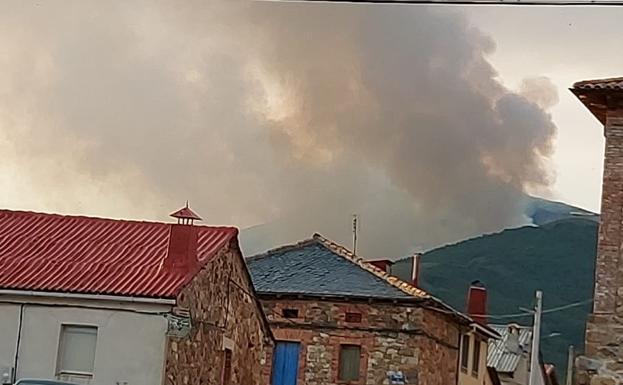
510	355
602	363
474	342
474	348
339	320
100	301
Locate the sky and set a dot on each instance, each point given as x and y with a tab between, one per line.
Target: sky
566	44
259	112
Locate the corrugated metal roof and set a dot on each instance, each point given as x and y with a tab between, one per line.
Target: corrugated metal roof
600	84
56	253
501	355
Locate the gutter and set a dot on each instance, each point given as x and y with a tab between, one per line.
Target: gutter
111	298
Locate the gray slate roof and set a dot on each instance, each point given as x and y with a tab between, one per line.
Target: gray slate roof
312	268
502	355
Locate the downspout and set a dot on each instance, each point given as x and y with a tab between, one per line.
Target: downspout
19	340
458	358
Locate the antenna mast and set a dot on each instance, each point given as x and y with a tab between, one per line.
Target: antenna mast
355	218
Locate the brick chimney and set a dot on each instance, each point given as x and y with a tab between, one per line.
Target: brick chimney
477	302
383	264
182	248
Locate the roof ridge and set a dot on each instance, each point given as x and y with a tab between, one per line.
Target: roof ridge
281	249
105	219
388	278
600	80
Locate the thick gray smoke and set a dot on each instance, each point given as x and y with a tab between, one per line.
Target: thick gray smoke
292	114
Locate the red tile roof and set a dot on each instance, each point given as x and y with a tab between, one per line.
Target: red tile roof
55	253
597	95
600	84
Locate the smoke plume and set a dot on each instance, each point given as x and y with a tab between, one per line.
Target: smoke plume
296	115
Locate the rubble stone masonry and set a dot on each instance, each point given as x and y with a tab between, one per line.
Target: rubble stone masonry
602	363
421	343
222	314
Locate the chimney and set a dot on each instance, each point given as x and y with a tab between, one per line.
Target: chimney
512	340
383	264
477	302
182	248
415	269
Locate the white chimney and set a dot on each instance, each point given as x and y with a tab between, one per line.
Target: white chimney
415	269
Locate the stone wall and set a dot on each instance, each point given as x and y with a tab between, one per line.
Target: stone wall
603	360
222	311
421	343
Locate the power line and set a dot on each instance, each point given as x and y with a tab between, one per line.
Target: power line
527	313
615	3
564	307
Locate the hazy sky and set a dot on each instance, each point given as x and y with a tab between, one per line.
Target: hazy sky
81	83
566	45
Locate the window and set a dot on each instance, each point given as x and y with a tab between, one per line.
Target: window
77	349
476	359
353	317
290	313
350	357
464	352
226	367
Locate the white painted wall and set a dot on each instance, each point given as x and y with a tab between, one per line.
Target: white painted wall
130	345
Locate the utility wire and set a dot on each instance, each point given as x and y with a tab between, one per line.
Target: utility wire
529	313
615	3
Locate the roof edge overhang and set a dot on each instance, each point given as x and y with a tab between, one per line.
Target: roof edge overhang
486	331
599	101
339	297
86	296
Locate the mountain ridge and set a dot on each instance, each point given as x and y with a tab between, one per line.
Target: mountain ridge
557	258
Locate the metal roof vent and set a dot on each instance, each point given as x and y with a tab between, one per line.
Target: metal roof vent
185	216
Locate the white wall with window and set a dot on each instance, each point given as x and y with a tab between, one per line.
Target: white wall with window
76	351
113	344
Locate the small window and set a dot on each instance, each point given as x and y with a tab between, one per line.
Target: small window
476	359
290	313
350	357
226	367
464	352
353	317
77	350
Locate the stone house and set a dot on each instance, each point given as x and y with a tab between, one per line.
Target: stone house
603	359
103	301
340	320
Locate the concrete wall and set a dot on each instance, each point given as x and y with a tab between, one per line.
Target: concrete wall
129	350
520	376
423	344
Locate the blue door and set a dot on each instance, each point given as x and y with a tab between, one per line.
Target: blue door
286	363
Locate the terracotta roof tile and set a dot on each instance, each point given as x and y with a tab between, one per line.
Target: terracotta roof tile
600	84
